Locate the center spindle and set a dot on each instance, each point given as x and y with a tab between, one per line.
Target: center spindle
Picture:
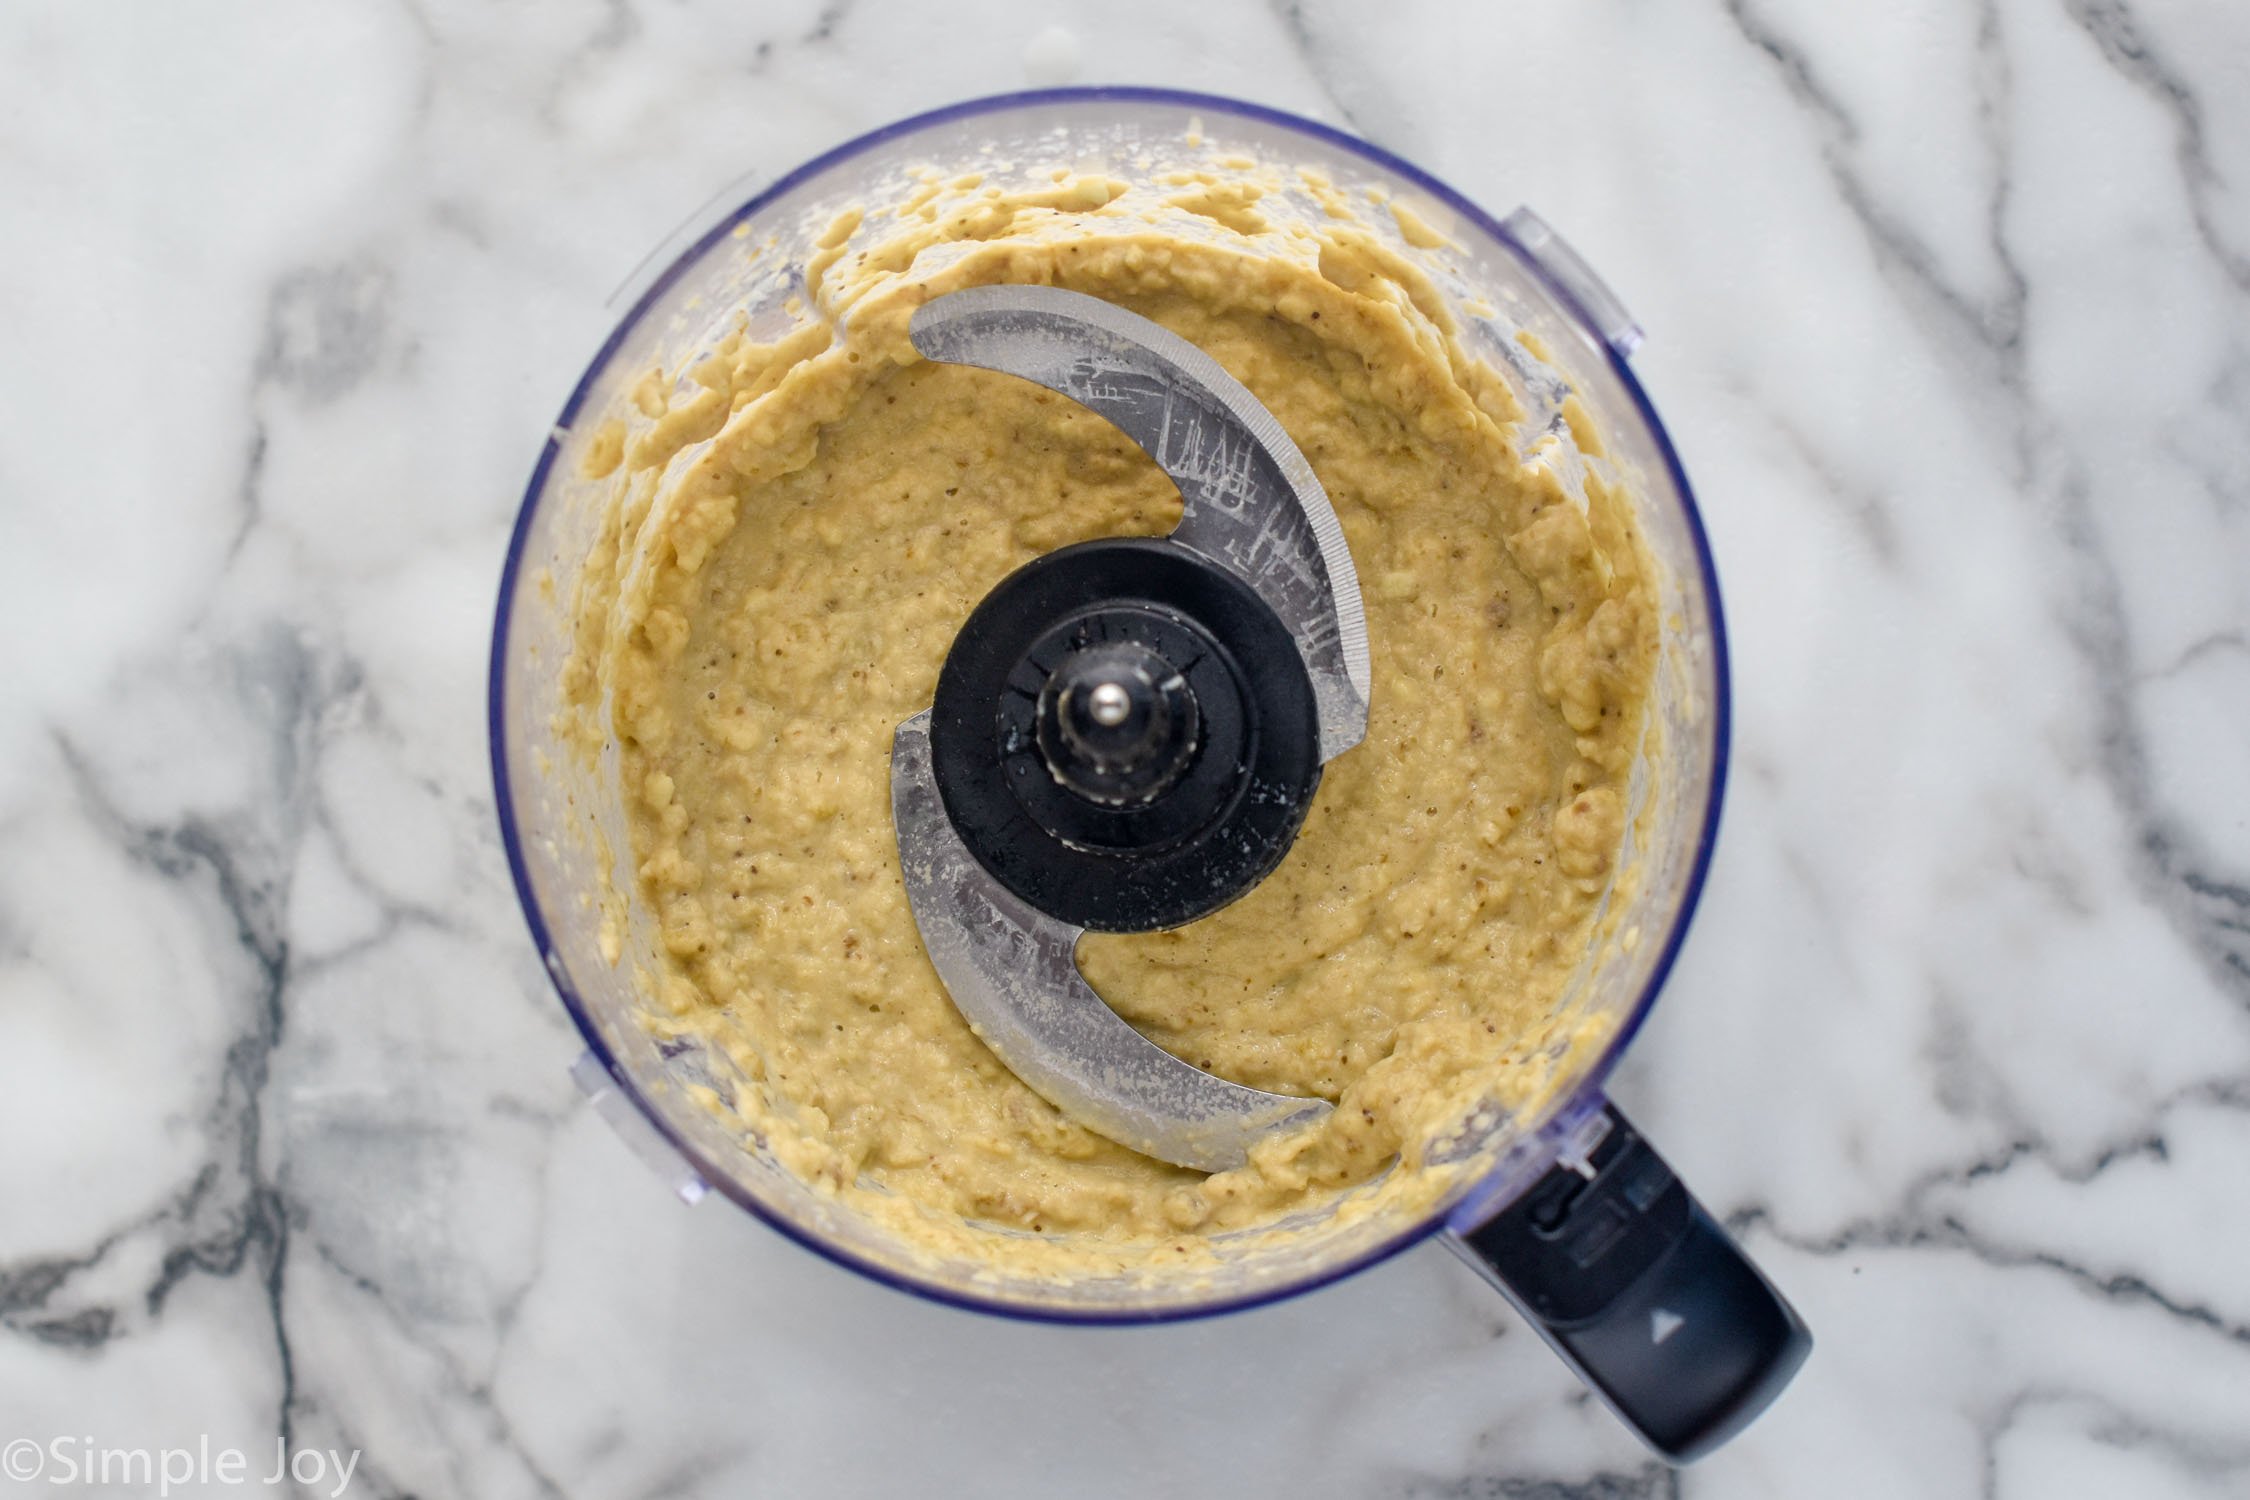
1117	724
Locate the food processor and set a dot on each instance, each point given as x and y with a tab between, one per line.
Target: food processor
1165	706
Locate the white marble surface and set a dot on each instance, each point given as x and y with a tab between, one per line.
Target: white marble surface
1950	314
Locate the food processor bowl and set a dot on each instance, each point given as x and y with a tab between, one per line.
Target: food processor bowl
1559	1173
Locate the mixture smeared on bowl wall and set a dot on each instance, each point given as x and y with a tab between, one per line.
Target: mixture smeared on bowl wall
798	530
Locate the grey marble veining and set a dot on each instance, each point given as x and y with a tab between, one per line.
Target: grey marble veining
1949	308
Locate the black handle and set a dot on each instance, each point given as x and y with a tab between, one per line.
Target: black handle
1643	1293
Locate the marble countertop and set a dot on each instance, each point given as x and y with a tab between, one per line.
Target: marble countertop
1949	308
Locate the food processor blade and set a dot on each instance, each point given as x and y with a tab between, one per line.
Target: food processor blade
1248	499
1012	971
1251	508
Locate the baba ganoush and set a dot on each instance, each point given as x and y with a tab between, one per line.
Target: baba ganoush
798	527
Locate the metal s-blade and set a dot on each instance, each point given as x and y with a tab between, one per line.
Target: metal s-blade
1012	972
1250	501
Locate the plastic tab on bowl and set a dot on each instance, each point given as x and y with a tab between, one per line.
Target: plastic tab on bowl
634	1129
1567	269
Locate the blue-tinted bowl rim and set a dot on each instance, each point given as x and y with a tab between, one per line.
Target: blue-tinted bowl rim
1589	1087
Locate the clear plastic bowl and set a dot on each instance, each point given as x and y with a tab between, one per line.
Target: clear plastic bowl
563	822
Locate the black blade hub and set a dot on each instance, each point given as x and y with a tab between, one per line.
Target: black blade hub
1124	735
